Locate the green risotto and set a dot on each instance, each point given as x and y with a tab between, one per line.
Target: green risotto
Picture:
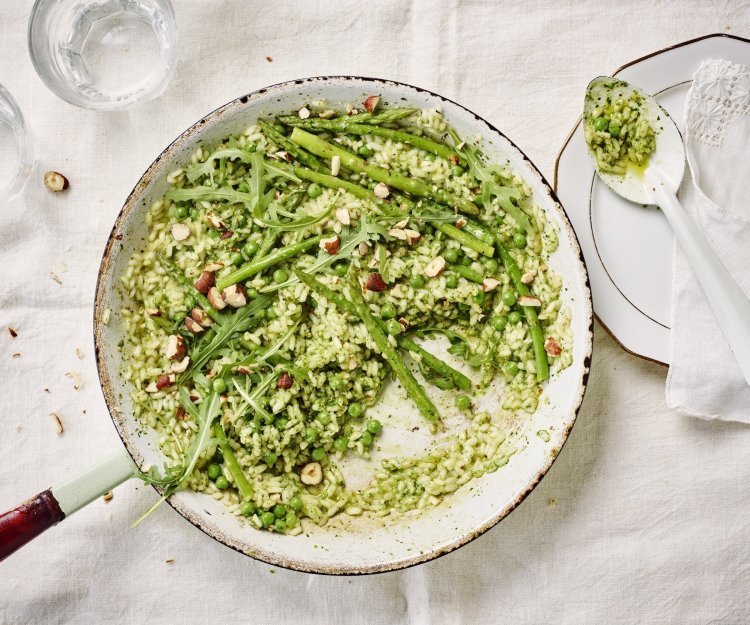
618	132
295	269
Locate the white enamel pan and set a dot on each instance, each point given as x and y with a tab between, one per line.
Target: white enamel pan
347	545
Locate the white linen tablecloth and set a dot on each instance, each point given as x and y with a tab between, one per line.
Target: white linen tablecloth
642	519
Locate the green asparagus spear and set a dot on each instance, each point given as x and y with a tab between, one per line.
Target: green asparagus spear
301	155
231	461
468	273
433	362
386	116
392	357
535	329
324	149
466	239
274	258
345	125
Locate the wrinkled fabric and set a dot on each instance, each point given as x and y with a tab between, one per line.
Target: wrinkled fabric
704	378
642	519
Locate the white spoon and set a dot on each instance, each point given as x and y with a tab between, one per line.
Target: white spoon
657	184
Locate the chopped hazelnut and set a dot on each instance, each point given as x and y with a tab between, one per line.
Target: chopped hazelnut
176	348
180	367
193	326
490	284
235	295
371	103
204	282
435	267
311	474
526	300
215	298
55	181
331	244
342	215
381	190
375	282
285	381
180	231
551	347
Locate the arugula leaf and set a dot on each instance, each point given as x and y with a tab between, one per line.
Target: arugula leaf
240	321
206	168
368	231
209	194
204	415
490	187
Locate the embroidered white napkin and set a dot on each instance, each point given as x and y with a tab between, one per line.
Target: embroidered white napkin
704	379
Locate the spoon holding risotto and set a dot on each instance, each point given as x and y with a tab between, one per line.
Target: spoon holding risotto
638	152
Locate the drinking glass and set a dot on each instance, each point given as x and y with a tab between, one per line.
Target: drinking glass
103	54
16	158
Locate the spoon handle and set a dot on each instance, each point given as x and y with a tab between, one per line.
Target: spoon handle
730	305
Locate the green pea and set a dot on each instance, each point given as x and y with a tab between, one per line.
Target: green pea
318	454
457	170
514	317
311	434
237	258
601	123
267	518
291	519
279	526
365	151
519	241
355	410
340	269
279	511
271	458
374	426
614	129
219	385
511	368
393	327
387	311
479	297
490	264
314	190
281	423
271	314
280	275
463	402
250	248
324	418
451	255
195	213
252	292
222	483
520	230
341	444
499	322
429	156
366	439
336	382
417	281
214	471
295	503
466	261
451	280
247	509
214	234
180	212
509	298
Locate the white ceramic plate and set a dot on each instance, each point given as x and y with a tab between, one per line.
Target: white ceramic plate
355	544
628	248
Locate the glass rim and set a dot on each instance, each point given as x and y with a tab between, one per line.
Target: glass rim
40	68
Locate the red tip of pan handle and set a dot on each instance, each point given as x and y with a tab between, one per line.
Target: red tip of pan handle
27	521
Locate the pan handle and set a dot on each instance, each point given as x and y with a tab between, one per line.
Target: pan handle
31	518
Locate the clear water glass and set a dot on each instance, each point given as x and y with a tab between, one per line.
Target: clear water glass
104	54
16	156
